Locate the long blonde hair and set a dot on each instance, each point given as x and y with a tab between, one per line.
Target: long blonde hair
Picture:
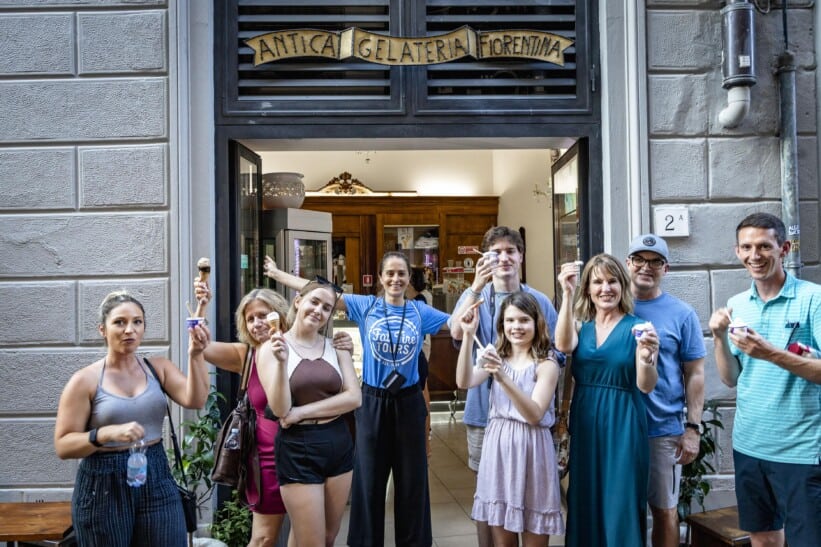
268	297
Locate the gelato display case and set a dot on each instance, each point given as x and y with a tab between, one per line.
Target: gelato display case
453	285
300	242
420	243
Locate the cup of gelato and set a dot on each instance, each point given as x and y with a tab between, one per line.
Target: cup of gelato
191	322
491	257
639	330
480	355
738	325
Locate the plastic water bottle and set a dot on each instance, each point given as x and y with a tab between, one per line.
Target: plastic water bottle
137	471
232	442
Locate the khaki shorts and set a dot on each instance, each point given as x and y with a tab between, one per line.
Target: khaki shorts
476	436
665	473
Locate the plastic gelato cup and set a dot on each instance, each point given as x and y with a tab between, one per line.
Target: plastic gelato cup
480	356
191	322
638	330
738	326
492	257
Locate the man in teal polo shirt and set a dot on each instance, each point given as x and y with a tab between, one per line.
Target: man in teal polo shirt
777	429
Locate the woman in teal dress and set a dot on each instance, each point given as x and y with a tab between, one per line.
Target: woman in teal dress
607	495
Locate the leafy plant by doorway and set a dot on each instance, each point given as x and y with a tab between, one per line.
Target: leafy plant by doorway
197	448
693	485
232	523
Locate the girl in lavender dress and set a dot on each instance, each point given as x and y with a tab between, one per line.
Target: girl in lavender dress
518	482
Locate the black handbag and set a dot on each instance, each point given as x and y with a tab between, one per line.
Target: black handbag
188	498
231	463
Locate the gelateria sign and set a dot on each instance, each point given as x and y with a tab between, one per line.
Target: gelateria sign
390	50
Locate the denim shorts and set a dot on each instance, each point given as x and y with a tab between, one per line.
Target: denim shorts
773	495
309	454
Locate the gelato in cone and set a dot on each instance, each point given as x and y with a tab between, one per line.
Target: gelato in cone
273	320
204	266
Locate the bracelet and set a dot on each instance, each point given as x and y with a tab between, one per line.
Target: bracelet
474	294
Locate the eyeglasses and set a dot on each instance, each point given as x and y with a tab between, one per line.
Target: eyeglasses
322	281
654	263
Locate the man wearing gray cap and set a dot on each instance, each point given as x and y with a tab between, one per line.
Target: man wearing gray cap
681	379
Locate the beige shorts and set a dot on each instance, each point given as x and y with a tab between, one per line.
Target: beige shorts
476	436
665	473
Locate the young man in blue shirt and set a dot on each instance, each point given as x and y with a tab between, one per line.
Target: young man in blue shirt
777	427
497	275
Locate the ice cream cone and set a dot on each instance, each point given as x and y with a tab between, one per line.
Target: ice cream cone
273	320
204	266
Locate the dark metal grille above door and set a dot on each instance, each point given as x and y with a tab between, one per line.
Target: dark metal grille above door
310	86
508	84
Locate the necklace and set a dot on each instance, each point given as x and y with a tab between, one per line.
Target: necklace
292	340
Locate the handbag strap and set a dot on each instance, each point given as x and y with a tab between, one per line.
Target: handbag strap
567	389
246	370
177	453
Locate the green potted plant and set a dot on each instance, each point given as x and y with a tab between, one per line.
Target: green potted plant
197	438
232	523
693	485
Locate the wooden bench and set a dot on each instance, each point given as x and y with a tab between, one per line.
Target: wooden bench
34	521
716	528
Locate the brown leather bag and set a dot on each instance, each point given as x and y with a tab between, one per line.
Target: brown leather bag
231	465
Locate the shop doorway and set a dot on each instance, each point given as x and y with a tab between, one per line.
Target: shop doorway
542	187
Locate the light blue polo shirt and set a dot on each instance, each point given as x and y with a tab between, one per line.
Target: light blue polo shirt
778	414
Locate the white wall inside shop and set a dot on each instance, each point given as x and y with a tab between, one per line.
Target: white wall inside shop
427	172
509	174
515	174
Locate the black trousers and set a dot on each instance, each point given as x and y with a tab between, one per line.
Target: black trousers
390	437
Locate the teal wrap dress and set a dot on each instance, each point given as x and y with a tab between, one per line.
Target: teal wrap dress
609	448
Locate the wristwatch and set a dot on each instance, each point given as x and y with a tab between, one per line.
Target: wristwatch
92	438
691	425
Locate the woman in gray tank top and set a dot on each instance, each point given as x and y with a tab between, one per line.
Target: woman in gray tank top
108	406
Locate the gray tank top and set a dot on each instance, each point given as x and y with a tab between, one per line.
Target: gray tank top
146	408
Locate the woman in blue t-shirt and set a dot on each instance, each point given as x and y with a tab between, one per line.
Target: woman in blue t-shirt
390	424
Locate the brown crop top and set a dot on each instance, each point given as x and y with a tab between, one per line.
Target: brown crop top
313	380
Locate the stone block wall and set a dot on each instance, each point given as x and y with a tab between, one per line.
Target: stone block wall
722	174
86	207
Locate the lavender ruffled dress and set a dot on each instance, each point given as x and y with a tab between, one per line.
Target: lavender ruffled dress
518	483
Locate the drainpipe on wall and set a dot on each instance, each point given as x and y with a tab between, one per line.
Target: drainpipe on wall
737	60
789	161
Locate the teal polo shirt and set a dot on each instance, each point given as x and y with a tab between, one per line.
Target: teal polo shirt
778	414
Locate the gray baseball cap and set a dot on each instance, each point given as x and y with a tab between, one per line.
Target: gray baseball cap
649	242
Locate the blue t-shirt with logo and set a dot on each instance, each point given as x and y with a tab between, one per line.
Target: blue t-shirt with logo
390	342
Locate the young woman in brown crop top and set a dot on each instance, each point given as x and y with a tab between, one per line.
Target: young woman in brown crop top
310	385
